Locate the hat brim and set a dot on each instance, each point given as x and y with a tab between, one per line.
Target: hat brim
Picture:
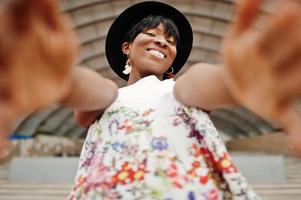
123	22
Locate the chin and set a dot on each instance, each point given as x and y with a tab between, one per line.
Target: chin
152	67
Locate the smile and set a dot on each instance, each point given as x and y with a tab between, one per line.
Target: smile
157	53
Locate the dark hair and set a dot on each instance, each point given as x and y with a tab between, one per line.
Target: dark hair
152	21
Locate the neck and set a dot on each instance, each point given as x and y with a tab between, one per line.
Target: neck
134	77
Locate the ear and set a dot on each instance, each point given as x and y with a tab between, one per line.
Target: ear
126	48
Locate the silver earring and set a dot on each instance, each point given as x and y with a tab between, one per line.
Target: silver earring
169	74
128	67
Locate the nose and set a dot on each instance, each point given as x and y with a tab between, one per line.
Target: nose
161	41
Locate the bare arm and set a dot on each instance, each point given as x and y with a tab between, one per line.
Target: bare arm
86	118
89	95
203	86
89	91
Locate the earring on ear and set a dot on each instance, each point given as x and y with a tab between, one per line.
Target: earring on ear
169	73
128	67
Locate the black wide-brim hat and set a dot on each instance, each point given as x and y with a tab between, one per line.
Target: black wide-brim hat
124	22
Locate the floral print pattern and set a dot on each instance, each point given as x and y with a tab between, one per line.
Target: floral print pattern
148	154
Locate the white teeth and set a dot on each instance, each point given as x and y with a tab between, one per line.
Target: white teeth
157	53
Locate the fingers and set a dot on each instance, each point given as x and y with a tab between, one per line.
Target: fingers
280	46
281	39
4	142
24	11
5	149
291	120
49	11
245	15
288	56
290	79
7	118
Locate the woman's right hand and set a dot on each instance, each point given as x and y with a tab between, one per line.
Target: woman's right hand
37	54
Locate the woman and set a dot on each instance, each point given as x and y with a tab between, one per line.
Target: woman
147	145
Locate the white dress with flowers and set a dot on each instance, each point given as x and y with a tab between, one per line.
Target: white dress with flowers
149	146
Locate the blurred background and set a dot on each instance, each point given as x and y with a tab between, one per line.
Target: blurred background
46	145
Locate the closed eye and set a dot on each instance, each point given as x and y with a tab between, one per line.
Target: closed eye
171	42
150	34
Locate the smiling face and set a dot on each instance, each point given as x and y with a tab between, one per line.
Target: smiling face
151	46
152	52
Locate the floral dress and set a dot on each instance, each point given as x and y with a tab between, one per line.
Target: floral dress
149	146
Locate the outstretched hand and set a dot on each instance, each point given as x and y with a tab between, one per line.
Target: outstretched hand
37	55
263	68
